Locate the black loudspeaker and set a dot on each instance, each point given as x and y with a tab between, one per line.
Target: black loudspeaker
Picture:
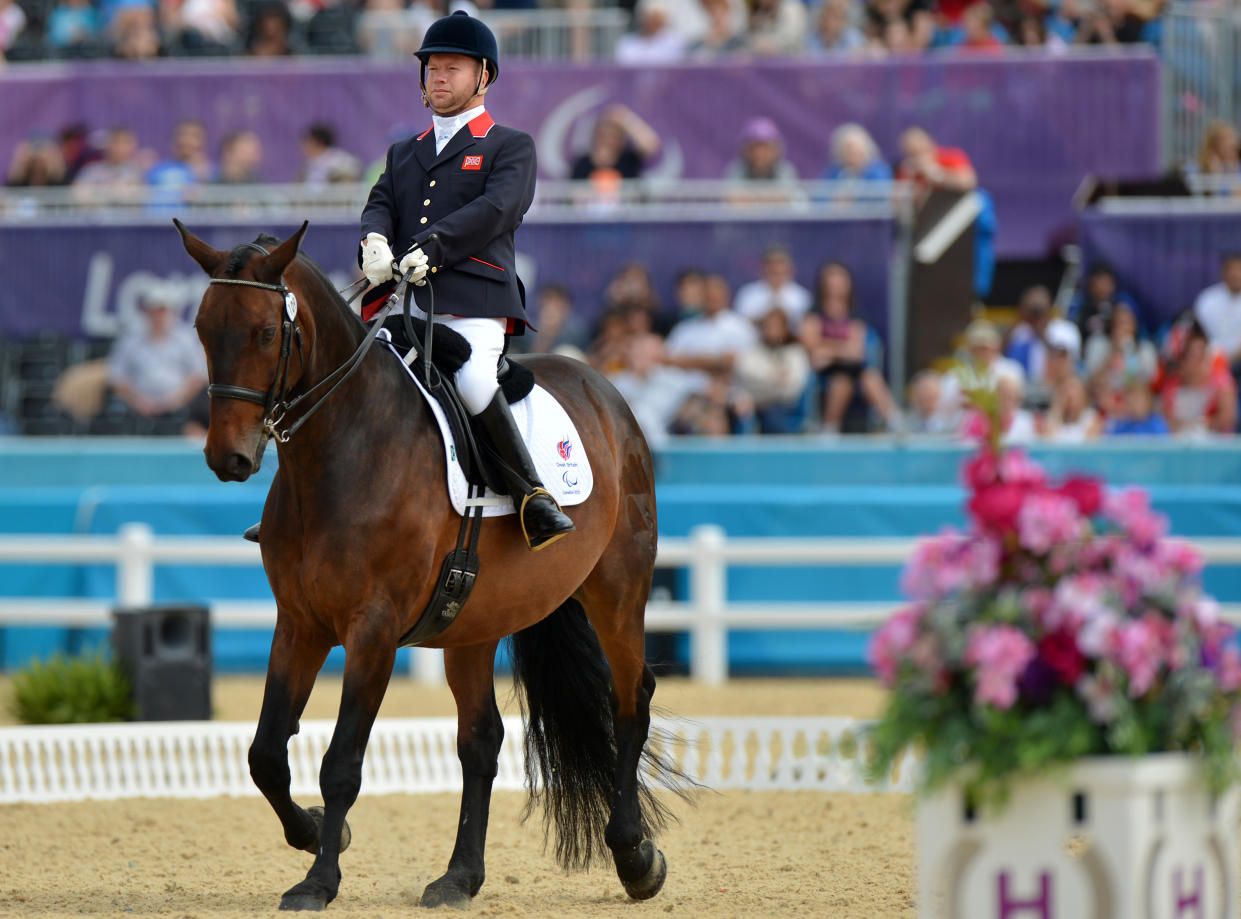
167	652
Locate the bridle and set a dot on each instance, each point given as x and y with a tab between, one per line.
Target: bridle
275	402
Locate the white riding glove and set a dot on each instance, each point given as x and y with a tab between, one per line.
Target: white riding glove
416	259
376	259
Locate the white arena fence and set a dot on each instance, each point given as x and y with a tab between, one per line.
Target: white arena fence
707	615
191	759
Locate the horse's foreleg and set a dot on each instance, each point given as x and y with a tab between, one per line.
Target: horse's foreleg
369	655
291	672
479	735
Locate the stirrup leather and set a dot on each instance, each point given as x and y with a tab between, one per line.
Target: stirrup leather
521	515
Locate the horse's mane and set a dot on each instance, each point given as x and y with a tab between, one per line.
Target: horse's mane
241	254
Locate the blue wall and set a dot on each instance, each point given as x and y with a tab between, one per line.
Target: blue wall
763	487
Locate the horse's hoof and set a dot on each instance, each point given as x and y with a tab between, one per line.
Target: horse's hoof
444	893
307	901
652	882
316	814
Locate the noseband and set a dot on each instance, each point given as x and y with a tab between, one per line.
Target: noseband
275	403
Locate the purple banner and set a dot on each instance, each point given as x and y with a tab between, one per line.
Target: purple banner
1034	125
88	281
1163	259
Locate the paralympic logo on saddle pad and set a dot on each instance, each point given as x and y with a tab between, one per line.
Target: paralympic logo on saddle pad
564	448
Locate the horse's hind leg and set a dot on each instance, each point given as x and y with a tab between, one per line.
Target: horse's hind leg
479	735
614	600
370	652
291	672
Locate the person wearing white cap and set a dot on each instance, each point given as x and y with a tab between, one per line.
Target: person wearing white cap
981	367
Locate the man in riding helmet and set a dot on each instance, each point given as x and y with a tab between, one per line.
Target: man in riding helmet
450	200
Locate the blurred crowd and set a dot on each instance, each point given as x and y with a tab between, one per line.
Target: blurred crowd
661	30
772	357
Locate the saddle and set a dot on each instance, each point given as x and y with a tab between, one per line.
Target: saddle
449	351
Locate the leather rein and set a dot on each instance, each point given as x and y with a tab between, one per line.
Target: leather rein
275	401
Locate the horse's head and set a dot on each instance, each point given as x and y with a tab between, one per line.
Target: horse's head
252	341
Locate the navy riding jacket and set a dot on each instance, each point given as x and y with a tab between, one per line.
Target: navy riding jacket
461	207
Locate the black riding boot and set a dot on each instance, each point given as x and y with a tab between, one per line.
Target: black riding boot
542	520
251	533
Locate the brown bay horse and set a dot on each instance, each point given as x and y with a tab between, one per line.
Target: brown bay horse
354	530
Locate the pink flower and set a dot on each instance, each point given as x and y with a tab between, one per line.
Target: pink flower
1077	599
976	426
999	654
1131	511
1085	492
1229	669
892	641
1018	469
1138	648
1047	519
1178	557
980	470
996	507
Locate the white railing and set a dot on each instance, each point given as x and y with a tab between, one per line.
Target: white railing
196	759
707	615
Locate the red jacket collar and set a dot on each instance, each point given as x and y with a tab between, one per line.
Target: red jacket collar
481	125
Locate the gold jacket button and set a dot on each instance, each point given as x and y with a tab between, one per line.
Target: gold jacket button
433	270
426	202
433	183
423	220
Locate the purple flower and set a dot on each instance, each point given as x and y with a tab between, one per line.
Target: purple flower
999	654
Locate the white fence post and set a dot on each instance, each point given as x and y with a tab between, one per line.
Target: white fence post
135	570
708	596
426	665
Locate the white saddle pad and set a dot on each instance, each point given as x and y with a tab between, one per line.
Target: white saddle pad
550	437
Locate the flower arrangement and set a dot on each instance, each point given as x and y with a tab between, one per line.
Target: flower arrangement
1061	624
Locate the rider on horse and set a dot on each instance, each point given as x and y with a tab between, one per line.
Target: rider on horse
451	199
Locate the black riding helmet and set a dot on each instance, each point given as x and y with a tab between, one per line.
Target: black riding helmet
460	33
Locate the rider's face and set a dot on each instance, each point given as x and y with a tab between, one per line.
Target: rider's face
452	83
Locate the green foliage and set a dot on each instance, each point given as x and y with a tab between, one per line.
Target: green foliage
72	690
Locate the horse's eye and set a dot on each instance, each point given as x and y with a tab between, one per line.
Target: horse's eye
268	335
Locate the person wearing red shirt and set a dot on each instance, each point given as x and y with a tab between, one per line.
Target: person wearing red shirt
930	166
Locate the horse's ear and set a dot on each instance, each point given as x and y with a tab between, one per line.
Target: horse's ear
274	265
210	259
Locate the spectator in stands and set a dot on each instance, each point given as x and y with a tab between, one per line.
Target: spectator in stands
776	27
189	164
1199	395
855	156
621	144
1219	158
1137	413
656	41
776	287
134	33
271	31
775	372
12	22
899	25
200	26
158	369
761	154
76	149
1017	425
653	389
560	330
1032	32
390	30
924	415
73	24
1121	355
241	159
322	161
1218	311
1112	22
121	168
709	344
980	367
1071	419
36	163
1091	308
632	288
1038	330
837	343
978	31
689	293
834	30
929	166
722	36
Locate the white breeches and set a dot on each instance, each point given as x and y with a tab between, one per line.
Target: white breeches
476	380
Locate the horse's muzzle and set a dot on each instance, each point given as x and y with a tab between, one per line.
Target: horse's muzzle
236	467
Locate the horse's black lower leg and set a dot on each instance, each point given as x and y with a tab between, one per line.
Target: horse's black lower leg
639	865
369	657
480	732
291	673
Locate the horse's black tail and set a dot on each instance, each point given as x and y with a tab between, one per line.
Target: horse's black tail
570	742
